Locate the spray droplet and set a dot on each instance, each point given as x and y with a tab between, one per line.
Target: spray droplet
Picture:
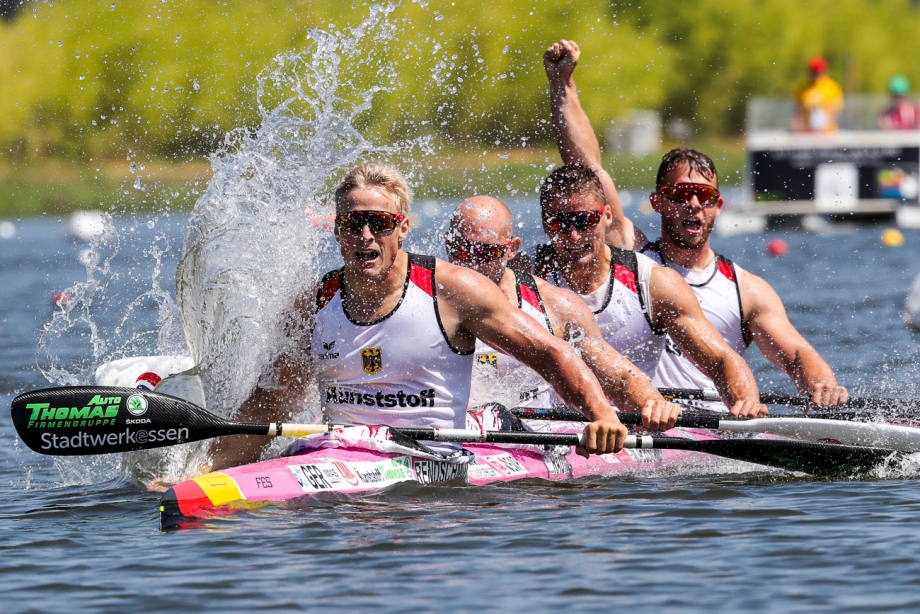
82	77
137	183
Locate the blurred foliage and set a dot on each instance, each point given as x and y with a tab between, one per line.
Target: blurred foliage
168	78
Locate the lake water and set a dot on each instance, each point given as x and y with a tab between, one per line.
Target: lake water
762	541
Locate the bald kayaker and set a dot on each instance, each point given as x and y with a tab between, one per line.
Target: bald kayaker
390	336
743	307
481	237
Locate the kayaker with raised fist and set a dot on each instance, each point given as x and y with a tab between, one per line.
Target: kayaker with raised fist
742	306
390	336
481	237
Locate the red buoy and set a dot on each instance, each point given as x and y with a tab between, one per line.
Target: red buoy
777	247
60	298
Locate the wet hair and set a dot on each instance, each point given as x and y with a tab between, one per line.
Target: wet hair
571	180
376	176
696	162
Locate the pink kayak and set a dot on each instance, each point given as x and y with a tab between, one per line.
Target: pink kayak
360	464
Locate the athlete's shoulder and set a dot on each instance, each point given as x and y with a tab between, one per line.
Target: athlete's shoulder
555	297
323	292
757	296
453	279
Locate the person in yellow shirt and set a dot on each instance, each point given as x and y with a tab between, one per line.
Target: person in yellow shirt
818	102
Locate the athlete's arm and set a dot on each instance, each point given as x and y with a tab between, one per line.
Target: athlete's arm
276	395
623	383
781	344
473	307
676	310
576	139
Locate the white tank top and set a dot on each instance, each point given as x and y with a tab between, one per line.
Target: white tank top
622	310
399	370
717	290
503	379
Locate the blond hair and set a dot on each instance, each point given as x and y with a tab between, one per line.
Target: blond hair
376	176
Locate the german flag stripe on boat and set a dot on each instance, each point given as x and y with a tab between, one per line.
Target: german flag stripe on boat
209	492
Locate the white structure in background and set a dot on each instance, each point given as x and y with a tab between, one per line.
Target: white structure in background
856	170
88	226
639	133
912	306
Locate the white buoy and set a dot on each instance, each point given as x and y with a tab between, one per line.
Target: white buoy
87	226
7	230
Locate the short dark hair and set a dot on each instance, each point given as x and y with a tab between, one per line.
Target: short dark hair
570	180
696	162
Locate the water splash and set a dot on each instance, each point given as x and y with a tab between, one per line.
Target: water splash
259	233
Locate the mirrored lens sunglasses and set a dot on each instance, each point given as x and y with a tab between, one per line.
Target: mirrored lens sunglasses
683	192
579	220
377	222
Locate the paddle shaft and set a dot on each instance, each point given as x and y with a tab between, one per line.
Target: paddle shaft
88	420
769	398
873	434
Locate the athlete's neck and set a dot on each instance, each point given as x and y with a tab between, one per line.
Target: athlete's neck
368	298
508	285
698	258
585	278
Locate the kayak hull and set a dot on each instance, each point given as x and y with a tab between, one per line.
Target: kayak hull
350	471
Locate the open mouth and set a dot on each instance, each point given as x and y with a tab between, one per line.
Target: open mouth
693	225
578	248
367	255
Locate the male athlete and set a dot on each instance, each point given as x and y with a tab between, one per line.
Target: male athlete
636	303
742	306
391	335
481	237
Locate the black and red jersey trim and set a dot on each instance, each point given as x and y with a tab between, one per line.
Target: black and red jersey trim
624	267
724	266
527	292
421	273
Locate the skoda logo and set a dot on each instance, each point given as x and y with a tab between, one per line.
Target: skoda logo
137	405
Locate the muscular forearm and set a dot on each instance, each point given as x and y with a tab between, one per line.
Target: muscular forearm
808	369
733	379
241	449
574	134
575	383
623	384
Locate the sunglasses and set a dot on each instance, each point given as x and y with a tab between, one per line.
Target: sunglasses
377	222
463	249
683	192
579	220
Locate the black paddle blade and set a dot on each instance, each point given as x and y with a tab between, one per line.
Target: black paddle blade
83	420
813	458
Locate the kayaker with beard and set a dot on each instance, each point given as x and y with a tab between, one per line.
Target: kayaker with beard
390	336
481	237
743	307
636	303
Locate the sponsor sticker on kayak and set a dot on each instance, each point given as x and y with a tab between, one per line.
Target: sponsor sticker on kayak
506	464
430	471
557	465
481	471
338	475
